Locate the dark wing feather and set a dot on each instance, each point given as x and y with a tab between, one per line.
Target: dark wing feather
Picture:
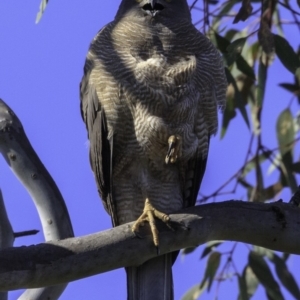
194	176
100	146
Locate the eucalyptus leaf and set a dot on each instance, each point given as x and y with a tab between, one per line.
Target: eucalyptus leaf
234	50
265	37
296	167
291	87
286	54
250	165
285	131
212	266
244	67
251	281
243	295
194	293
263	273
237	45
188	250
287	171
285	276
238	99
210	246
262	78
43	6
244	11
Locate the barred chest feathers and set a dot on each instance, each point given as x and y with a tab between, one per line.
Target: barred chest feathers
170	106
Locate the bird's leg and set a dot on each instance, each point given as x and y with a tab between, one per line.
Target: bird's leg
174	150
149	214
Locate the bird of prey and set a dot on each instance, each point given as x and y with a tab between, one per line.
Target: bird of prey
150	93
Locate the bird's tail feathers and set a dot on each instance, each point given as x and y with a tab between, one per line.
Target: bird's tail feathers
151	280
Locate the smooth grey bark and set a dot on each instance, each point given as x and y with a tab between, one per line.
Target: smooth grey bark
26	165
274	226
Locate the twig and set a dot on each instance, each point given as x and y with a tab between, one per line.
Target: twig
25	233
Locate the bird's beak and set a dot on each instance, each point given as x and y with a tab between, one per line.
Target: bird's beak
153	3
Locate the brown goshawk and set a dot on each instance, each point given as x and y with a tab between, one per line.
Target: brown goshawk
150	93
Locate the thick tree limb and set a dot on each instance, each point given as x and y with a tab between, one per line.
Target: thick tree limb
26	165
275	226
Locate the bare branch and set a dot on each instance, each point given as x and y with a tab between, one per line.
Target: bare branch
274	226
26	165
26	233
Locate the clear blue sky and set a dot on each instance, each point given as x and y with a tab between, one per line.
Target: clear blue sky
40	70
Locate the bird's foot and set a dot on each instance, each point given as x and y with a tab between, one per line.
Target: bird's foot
174	150
149	214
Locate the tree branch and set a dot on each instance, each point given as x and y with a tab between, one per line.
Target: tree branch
26	165
274	226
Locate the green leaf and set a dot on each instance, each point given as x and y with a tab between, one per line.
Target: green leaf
277	21
296	167
210	246
291	87
222	43
242	288
234	50
250	165
238	99
286	256
285	131
228	114
237	46
251	281
212	266
43	6
272	190
285	136
262	78
225	9
286	54
231	33
297	75
194	293
259	183
262	251
291	181
285	276
244	12
265	37
254	51
262	271
188	250
275	163
244	67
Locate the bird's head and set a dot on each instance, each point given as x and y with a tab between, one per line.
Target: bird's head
154	9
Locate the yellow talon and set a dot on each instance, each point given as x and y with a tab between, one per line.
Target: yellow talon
174	150
149	214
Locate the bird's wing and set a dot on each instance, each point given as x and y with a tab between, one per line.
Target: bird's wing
211	84
193	178
100	146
